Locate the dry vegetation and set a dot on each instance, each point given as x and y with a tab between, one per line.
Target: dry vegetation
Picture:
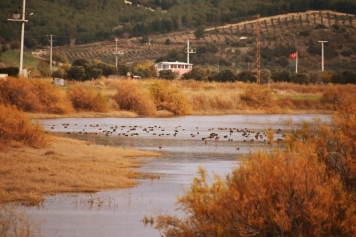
66	165
16	224
306	189
16	127
275	30
34	164
125	98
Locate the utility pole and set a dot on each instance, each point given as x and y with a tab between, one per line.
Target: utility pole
117	53
189	50
50	52
15	16
258	47
322	54
241	38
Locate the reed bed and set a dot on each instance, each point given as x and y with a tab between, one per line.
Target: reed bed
151	97
66	165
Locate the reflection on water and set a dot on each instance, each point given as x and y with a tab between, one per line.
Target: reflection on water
185	142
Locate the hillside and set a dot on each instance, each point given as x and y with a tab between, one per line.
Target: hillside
280	36
89	21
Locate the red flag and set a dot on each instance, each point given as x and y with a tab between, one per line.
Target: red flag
293	55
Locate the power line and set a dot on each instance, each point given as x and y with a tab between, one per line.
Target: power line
258	47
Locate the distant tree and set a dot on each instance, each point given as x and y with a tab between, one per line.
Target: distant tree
167	74
300	78
304	33
145	70
123	68
107	70
246	76
144	39
81	62
14	44
223	76
60	58
223	62
283	61
93	73
11	71
346	53
167	42
197	74
76	73
199	33
44	68
265	76
281	75
31	43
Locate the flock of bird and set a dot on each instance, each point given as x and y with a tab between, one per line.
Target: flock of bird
214	134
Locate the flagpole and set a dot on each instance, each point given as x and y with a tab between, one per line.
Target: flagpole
296	62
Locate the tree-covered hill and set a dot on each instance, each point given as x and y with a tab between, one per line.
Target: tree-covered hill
233	45
96	20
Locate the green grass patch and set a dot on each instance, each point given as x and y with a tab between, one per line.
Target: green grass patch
12	58
311	98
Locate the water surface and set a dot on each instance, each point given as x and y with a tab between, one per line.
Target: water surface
122	211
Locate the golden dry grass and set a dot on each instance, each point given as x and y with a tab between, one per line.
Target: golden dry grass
15	126
111	114
122	98
67	165
34	96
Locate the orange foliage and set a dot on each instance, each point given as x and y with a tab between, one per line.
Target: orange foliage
15	126
304	190
33	96
87	100
130	97
169	97
258	97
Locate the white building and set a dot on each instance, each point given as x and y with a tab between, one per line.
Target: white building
178	67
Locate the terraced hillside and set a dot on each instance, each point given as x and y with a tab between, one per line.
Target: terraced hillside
296	30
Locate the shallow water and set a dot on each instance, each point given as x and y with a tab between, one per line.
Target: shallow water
119	212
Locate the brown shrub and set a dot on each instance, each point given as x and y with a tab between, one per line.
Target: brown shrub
216	99
15	126
33	96
257	97
286	103
132	98
169	97
311	89
87	100
52	99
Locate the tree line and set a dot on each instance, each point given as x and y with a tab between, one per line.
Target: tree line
92	20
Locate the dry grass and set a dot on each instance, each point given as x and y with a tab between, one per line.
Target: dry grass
132	96
84	99
16	127
123	98
34	96
67	165
110	114
167	96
